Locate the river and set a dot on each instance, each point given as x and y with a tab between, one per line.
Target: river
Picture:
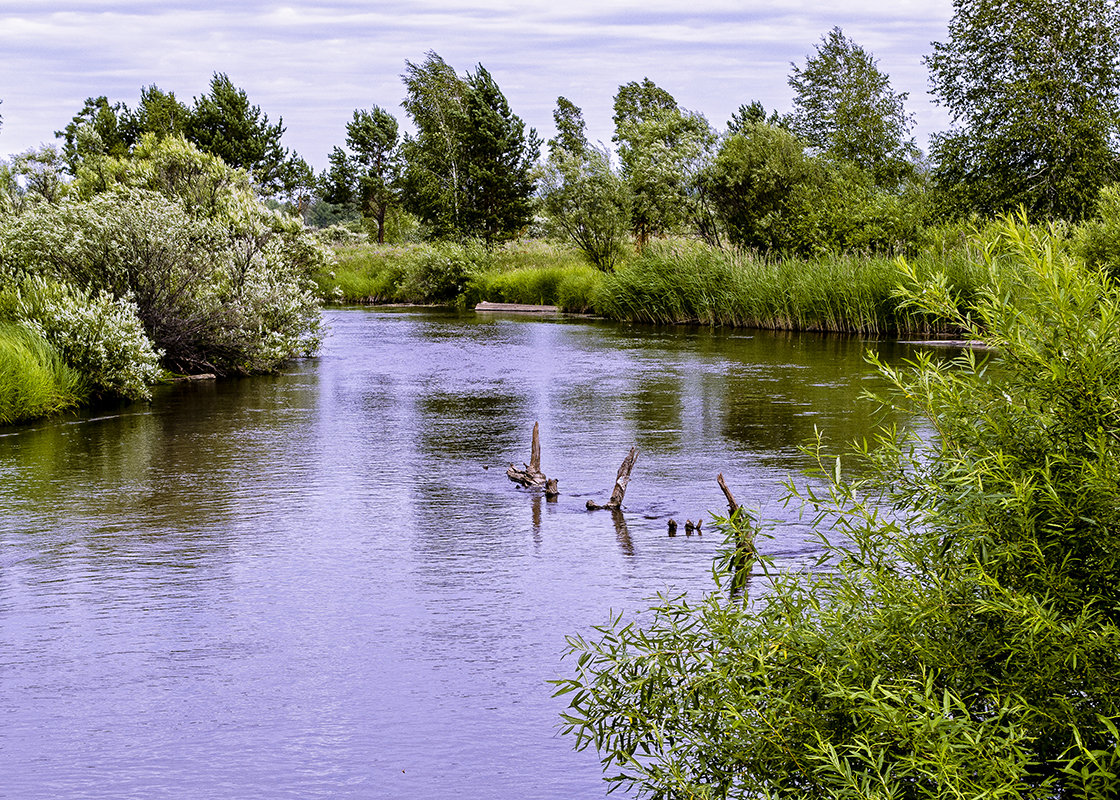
321	584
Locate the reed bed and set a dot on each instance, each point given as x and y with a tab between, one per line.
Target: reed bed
34	380
674	281
682	282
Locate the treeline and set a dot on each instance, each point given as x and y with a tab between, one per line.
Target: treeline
185	217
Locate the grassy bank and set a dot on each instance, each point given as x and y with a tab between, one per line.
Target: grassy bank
675	281
34	380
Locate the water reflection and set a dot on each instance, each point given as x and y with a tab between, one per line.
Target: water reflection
323	585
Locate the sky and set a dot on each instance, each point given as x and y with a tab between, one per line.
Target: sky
314	63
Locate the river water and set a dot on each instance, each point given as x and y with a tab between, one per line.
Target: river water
322	585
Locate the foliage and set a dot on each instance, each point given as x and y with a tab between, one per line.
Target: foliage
221	283
225	124
662	150
372	135
34	380
959	637
770	195
1098	239
98	335
1034	87
468	171
844	106
747	116
585	199
221	122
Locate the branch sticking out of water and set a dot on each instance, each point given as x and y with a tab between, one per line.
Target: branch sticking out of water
620	484
532	476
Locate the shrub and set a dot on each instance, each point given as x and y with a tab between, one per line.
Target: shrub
97	334
960	635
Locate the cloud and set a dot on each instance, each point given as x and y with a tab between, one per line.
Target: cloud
313	63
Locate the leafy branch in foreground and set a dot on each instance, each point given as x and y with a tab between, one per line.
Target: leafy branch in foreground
962	640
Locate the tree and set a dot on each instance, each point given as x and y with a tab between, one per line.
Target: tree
754	114
99	129
844	106
500	161
372	135
1033	88
571	131
585	199
959	635
662	149
468	172
160	113
224	123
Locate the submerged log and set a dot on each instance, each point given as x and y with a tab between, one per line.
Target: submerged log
620	484
532	476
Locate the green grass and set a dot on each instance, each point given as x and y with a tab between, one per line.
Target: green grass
674	281
34	381
681	281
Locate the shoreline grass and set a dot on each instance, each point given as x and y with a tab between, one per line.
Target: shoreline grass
34	380
674	281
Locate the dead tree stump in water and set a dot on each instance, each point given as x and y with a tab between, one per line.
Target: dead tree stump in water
620	483
745	528
532	476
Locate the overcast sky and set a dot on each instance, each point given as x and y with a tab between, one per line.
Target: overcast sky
313	63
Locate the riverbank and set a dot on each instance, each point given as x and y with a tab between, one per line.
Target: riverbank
674	281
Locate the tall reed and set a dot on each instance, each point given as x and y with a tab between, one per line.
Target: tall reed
34	380
684	281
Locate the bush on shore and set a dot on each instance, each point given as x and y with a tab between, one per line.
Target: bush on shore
960	636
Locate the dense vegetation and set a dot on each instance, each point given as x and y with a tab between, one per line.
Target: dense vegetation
961	635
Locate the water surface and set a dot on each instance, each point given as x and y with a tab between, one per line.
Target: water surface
322	585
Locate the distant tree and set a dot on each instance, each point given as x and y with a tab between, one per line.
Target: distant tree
586	201
844	106
754	114
1033	87
113	128
338	184
500	158
372	136
468	172
662	149
571	133
434	173
160	113
224	123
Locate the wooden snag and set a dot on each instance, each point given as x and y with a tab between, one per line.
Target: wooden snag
532	476
745	529
620	484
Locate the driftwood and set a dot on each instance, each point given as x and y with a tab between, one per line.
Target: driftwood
532	476
620	483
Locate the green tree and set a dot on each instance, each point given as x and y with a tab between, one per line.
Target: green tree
586	201
844	106
434	173
372	136
960	635
754	114
468	171
1033	88
224	123
160	113
99	129
662	149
